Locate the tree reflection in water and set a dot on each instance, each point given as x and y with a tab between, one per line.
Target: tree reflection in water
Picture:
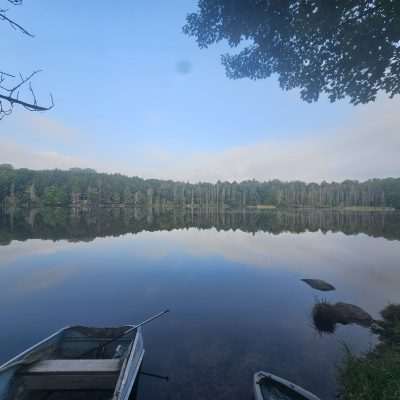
85	225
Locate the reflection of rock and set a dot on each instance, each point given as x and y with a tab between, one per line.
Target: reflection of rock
326	316
319	284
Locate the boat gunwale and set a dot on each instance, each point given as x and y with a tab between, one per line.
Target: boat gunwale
122	381
14	360
258	376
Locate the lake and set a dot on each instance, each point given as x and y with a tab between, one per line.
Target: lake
231	279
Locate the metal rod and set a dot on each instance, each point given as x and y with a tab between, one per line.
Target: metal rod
142	323
97	348
165	378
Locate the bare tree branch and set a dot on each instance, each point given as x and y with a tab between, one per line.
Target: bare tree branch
28	106
6	74
10	95
14	24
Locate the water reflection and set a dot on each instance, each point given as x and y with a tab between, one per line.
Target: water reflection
76	224
232	281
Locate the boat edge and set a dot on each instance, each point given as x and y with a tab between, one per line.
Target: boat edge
262	374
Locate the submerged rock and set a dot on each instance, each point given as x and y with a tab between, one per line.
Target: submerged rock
326	316
319	284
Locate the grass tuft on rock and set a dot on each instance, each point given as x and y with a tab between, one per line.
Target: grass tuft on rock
376	375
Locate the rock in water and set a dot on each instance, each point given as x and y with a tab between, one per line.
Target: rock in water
351	314
326	315
319	284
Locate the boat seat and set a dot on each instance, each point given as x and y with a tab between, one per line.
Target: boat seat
72	374
95	366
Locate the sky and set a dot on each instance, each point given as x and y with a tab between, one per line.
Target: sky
134	95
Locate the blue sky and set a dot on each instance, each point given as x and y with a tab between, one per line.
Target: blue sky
122	105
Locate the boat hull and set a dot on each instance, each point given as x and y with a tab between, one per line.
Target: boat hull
61	362
265	383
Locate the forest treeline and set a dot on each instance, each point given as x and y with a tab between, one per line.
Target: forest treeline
87	188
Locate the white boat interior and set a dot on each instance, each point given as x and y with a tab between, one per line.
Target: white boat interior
79	361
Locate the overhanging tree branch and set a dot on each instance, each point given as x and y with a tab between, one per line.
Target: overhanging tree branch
10	95
13	24
28	106
337	48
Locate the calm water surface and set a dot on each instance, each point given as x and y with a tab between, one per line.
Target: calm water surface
231	280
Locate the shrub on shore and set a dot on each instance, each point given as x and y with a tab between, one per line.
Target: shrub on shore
375	375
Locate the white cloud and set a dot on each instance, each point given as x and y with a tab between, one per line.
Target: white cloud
37	125
365	146
368	146
24	157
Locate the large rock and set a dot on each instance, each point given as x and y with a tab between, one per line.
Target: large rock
351	314
326	316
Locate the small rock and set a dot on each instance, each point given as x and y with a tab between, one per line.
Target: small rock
319	284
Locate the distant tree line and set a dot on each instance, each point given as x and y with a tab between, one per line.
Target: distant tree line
87	188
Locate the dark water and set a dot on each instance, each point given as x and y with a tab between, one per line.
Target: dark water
232	281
